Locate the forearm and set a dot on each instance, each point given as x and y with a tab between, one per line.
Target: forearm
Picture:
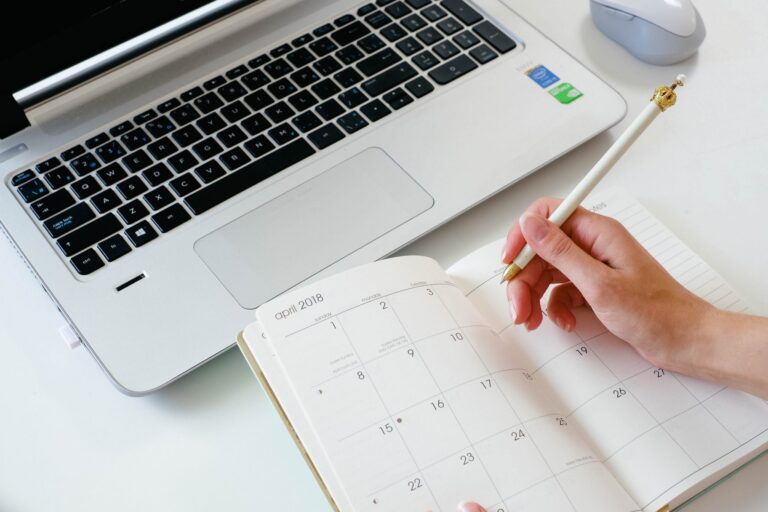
729	348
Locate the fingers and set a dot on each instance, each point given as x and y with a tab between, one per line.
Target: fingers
515	241
563	299
555	247
469	506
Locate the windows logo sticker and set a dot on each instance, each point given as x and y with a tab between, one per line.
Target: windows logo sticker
565	93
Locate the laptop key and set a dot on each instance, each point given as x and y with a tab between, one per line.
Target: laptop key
255	79
382	3
426	60
52	204
231	91
160	126
231	136
171	218
466	39
120	129
114	247
72	152
259	146
87	262
452	69
214	82
258	61
188	135
281	88
141	233
86	187
157	174
131	188
182	161
22	177
483	54
305	122
449	26
325	89
210	171
461	10
433	13
397	9
330	109
282	134
409	46
397	98
191	94
378	62
59	177
256	124
111	174
350	33
343	20
235	111
429	36
418	4
278	68
145	116
159	198
135	139
366	9
105	201
280	111
234	158
258	99
302	100
348	77
207	149
68	220
389	79
209	124
110	151
352	122
96	140
89	234
371	43
207	103
184	184
327	65
305	77
323	46
375	110
414	22
349	54
353	97
47	165
325	136
419	87
393	32
162	148
445	49
495	37
256	171
280	50
302	40
137	161
133	212
86	164
300	57
378	19
186	114
236	72
323	29
168	105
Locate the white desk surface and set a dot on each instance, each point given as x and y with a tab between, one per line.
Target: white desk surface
70	442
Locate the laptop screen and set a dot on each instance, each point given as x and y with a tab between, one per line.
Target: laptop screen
52	37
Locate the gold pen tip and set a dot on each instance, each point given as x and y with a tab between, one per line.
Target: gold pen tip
510	272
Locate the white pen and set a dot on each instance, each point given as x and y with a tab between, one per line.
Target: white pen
663	98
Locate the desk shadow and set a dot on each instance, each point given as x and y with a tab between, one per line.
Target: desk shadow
226	378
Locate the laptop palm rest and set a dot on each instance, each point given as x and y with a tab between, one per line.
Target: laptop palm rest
292	237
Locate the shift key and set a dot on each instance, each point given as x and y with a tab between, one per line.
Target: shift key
89	234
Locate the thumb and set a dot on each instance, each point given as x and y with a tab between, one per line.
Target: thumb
554	247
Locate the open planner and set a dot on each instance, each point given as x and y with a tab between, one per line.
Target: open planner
407	388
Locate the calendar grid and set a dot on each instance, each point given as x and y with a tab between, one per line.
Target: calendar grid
384	405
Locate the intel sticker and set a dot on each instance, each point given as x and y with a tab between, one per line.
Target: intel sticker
542	76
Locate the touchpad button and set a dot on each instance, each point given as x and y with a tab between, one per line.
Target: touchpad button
294	236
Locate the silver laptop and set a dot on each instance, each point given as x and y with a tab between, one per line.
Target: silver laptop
167	169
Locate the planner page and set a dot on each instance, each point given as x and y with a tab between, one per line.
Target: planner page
664	436
391	391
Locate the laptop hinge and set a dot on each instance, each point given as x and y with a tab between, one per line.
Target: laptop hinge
12	116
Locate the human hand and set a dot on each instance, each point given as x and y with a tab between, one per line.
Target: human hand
469	506
594	261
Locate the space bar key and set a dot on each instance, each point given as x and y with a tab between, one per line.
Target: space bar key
249	175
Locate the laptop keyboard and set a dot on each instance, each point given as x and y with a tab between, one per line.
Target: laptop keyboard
120	189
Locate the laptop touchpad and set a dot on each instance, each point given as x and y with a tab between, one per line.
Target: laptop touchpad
294	236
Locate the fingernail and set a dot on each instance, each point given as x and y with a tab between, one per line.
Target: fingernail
468	506
561	324
534	228
504	252
513	312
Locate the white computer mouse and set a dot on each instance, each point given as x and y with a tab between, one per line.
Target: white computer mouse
655	31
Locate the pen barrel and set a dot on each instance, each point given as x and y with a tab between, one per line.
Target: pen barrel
593	177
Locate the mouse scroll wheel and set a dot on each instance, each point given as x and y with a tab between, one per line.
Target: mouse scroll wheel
625	16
